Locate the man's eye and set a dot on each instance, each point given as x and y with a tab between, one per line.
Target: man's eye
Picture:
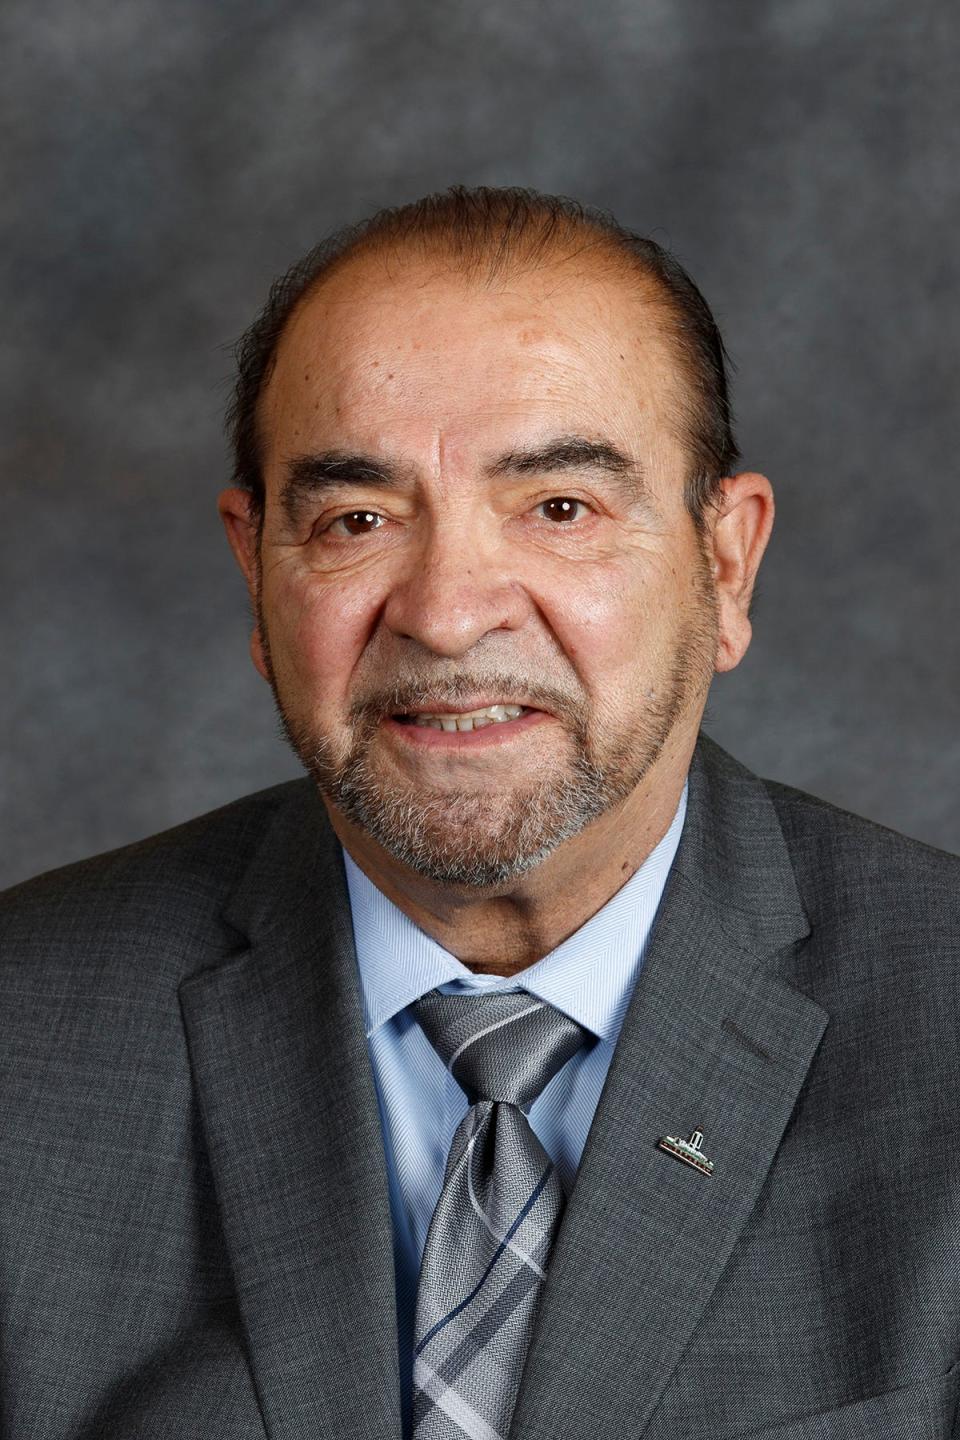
356	522
561	508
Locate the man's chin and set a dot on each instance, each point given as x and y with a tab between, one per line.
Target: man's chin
487	872
475	842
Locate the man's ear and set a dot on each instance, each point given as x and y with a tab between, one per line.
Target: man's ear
241	522
738	538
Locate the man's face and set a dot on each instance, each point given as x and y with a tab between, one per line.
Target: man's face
474	497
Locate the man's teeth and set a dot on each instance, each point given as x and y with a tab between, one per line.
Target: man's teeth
472	720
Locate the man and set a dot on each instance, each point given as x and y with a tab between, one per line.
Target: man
530	1067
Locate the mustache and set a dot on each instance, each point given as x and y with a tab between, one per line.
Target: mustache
412	692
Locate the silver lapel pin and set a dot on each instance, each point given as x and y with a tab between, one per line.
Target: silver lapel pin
689	1151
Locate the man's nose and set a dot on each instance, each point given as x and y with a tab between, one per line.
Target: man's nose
453	592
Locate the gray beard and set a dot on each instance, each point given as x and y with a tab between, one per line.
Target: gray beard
478	840
482	841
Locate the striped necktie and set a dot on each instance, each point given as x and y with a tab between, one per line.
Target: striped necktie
488	1245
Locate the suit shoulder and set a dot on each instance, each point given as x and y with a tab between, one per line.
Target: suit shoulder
167	886
843	859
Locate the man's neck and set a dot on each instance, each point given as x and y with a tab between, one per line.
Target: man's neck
503	933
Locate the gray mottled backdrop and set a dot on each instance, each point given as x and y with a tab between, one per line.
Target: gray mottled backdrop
165	160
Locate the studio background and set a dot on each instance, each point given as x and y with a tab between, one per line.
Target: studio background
165	161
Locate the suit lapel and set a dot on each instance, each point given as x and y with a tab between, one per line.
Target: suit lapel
292	1127
714	1039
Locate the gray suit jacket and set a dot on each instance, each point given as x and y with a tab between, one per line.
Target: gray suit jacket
195	1237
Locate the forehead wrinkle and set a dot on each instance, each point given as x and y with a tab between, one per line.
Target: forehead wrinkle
333	376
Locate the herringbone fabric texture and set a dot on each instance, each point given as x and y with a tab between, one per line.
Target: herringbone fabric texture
488	1245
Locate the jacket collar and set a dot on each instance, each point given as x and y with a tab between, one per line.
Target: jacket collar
291	1121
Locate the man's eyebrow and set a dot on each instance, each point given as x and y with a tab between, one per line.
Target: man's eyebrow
310	475
576	452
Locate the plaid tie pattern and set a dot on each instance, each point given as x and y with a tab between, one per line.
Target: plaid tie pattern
489	1241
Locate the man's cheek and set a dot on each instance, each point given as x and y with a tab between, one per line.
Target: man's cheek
325	639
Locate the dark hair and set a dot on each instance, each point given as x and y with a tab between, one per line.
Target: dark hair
499	230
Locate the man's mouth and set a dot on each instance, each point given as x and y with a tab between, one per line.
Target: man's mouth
463	720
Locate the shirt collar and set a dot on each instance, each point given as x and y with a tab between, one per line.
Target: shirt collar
590	976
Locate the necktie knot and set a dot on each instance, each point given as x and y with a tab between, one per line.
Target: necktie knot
500	1047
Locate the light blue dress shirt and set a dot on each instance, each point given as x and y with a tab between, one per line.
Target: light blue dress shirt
590	977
